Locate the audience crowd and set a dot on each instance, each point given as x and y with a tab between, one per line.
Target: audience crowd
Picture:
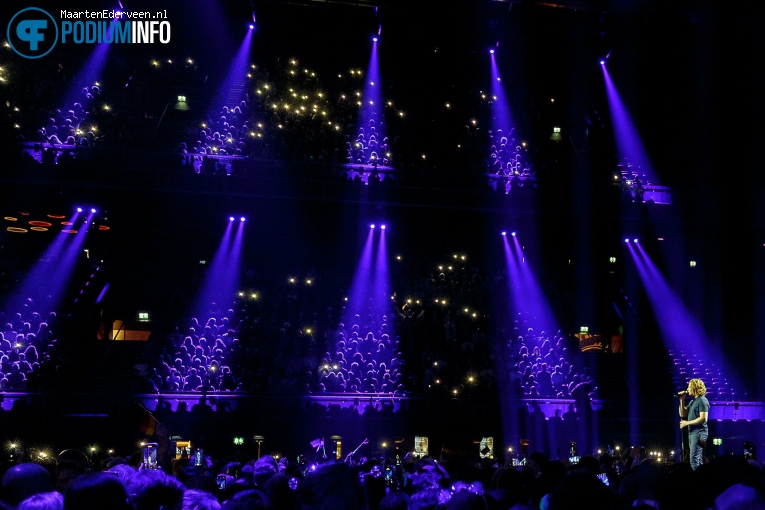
73	481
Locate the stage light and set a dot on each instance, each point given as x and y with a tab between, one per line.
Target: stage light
635	240
504	233
382	227
602	61
491	51
230	218
372	225
242	218
79	209
252	26
93	210
374	39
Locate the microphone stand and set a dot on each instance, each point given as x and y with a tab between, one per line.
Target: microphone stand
349	457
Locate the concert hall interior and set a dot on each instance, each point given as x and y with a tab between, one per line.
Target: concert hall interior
461	231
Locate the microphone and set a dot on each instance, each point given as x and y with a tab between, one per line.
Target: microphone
681	393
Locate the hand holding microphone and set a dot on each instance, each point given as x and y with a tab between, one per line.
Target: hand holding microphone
682	393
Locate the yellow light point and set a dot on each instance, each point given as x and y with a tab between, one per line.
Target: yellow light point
204	125
473	122
337	127
306	71
448	105
267	86
494	97
292	73
358	103
293	62
466	310
260	125
390	103
443	302
384	444
409	301
424	156
324	113
454	391
2	79
6	44
483	96
418	301
463	257
450	268
552	99
169	61
97	84
435	363
292	280
17	126
358	94
107	107
523	144
471	379
252	133
313	75
440	268
398	257
155	63
339	75
254	295
308	281
342	96
249	75
437	381
345	298
93	128
190	61
401	114
475	315
241	294
320	94
308	330
302	108
253	66
304	97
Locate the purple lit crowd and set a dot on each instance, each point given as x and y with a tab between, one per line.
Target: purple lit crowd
76	481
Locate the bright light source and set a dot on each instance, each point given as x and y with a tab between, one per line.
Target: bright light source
230	218
242	219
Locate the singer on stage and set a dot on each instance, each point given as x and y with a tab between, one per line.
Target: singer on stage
695	416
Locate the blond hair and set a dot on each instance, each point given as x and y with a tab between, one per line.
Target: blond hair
697	387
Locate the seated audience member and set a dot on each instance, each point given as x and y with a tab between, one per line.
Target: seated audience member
52	500
250	499
196	499
97	491
24	480
153	489
333	486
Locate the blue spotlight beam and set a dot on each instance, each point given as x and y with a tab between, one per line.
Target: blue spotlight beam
235	77
216	291
502	115
680	330
628	140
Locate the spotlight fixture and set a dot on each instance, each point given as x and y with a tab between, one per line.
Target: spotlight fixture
242	219
252	27
382	227
491	51
79	209
372	225
93	210
504	233
374	39
230	218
